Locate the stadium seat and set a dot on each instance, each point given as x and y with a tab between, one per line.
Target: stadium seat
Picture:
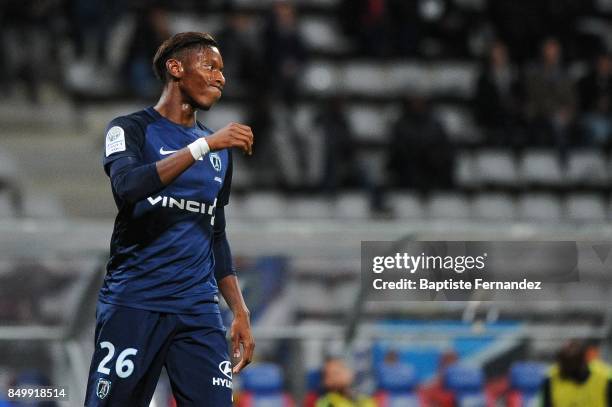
321	78
587	167
541	167
303	207
396	384
457	122
585	207
262	386
493	206
465	173
370	124
496	167
352	206
448	206
264	205
525	381
406	205
366	78
466	384
322	34
539	206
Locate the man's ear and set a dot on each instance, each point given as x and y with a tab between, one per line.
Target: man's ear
175	68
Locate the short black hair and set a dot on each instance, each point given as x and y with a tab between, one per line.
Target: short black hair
173	45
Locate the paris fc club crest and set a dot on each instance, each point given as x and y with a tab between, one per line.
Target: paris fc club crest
103	388
215	160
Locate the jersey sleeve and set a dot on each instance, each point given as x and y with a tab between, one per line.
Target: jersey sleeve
223	197
124	138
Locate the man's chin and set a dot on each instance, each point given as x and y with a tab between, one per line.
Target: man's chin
206	105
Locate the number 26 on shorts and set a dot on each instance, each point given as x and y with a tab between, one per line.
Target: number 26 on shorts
123	366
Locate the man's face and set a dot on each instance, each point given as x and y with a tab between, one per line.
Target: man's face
337	376
203	81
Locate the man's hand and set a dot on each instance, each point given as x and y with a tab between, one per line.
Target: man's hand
232	135
240	334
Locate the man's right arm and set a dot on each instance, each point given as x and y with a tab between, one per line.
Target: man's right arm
133	181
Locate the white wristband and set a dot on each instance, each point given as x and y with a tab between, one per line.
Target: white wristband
199	148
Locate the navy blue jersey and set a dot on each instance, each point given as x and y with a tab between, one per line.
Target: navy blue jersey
161	256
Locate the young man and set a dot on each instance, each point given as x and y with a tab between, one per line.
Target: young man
158	305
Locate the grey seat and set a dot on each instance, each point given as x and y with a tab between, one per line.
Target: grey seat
587	167
541	167
496	167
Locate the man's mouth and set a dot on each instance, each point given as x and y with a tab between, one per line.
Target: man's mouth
217	87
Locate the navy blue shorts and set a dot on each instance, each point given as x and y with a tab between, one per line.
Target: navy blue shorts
133	345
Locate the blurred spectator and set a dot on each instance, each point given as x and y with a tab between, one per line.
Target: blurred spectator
243	68
405	27
340	167
550	98
151	30
593	356
264	161
90	23
284	52
445	27
572	381
596	102
434	393
28	45
338	381
496	102
367	23
420	155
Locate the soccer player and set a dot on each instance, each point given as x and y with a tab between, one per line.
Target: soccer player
169	255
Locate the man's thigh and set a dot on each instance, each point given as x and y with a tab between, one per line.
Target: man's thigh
198	363
130	349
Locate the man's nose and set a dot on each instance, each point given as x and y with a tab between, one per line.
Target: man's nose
220	79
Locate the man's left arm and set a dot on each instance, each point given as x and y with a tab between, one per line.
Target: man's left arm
240	331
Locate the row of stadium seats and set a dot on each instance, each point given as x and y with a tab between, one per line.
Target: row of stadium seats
583	168
479	206
397	386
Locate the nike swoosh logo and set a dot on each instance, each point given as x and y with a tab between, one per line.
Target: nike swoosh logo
166	152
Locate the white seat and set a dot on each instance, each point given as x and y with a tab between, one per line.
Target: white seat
368	123
539	206
465	171
496	167
406	205
352	206
449	206
587	167
366	78
585	207
310	208
457	79
322	34
541	167
321	77
494	206
457	122
264	205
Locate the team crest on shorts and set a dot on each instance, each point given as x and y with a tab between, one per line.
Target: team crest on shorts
103	388
215	160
